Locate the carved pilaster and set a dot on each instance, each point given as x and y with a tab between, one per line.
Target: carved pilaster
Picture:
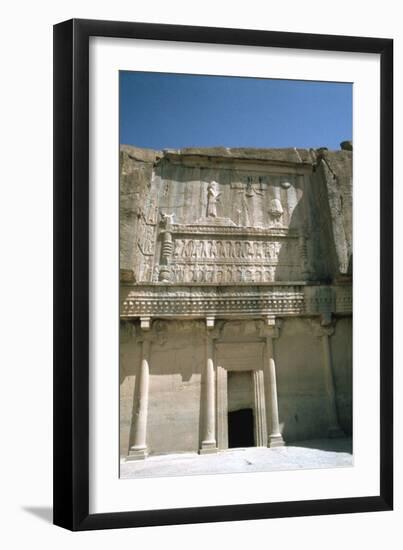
222	407
324	329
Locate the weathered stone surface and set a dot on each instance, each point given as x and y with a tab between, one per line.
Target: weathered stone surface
334	177
234	260
287	155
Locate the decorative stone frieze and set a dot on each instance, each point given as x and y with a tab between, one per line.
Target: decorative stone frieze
280	300
200	301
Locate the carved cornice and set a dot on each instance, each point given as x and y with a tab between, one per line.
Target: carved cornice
231	301
258	165
210	301
239	231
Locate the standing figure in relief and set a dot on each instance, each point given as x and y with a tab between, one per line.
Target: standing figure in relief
148	243
179	274
204	250
231	249
213	249
258	249
179	248
188	249
199	249
221	249
212	199
156	273
249	249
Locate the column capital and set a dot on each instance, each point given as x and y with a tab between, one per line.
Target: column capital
271	327
213	330
145	323
210	321
322	328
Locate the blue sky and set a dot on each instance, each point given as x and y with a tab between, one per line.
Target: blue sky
161	110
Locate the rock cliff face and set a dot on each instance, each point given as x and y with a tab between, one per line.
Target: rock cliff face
235	269
334	172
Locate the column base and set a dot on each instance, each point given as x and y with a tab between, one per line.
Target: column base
137	454
208	448
335	432
275	441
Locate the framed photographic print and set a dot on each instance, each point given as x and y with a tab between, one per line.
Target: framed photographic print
210	361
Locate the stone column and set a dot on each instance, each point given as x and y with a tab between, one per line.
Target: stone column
209	444
324	333
139	449
275	438
260	408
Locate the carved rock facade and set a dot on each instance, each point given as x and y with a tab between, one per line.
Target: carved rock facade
235	293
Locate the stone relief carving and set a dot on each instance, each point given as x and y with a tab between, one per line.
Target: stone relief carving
156	273
164	271
212	199
283	300
254	187
166	219
221	274
146	227
250	185
209	260
213	249
225	249
152	212
276	211
145	237
233	230
146	269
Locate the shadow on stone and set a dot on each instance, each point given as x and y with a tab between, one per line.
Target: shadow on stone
339	445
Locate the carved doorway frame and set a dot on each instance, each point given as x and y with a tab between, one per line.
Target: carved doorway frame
259	397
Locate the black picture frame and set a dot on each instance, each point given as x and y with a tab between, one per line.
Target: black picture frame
71	274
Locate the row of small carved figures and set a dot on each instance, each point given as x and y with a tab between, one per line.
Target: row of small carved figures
218	274
212	249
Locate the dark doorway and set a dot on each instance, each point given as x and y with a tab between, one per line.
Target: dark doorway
240	428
